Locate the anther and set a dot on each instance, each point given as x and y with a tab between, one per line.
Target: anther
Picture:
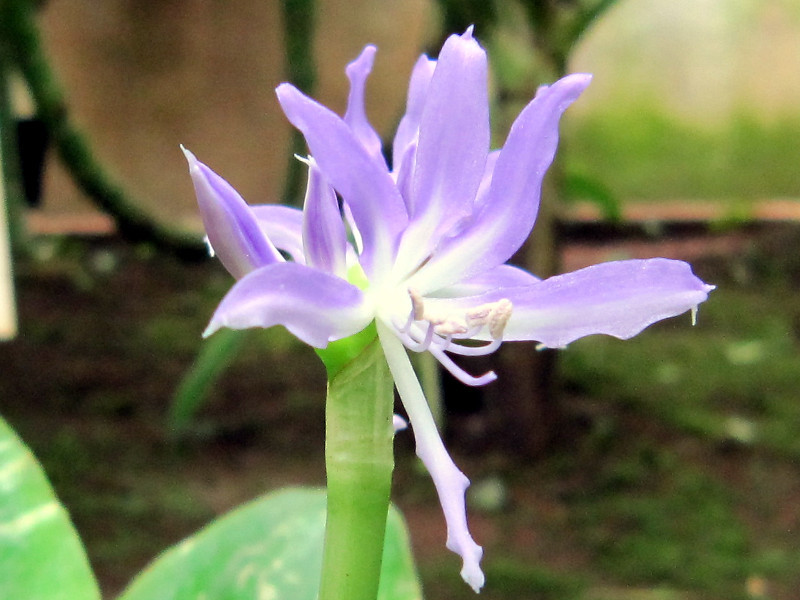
450	327
417	305
498	318
493	314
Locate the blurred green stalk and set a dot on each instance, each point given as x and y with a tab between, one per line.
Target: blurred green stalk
216	353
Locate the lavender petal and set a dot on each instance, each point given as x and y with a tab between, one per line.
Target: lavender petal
408	129
453	146
356	115
316	307
615	298
367	188
324	237
504	220
283	225
499	277
230	224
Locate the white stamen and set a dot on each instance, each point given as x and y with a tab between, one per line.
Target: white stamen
477	316
406	327
421	345
474	350
495	315
460	373
417	304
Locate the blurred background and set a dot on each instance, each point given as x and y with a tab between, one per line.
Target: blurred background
666	467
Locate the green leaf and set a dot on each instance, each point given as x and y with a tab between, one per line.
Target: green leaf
269	548
41	555
583	187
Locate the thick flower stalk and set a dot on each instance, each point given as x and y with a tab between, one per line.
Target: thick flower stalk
419	249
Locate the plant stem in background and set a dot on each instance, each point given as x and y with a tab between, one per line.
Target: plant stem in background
298	28
359	462
22	45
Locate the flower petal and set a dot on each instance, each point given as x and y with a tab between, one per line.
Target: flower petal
615	298
356	114
368	189
504	220
501	276
408	129
449	481
283	225
230	224
324	237
316	307
453	146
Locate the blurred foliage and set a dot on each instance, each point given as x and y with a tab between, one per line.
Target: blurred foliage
41	555
10	171
556	25
216	353
676	479
268	548
730	379
643	153
580	188
649	520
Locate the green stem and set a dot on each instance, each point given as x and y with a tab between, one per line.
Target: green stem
298	27
359	462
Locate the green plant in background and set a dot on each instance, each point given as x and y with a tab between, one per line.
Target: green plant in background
41	556
268	546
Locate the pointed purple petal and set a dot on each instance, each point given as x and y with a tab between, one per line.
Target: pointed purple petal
356	114
232	229
516	187
316	307
615	298
408	129
324	237
503	222
453	146
366	187
283	225
450	482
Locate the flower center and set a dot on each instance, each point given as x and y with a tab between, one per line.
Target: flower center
494	315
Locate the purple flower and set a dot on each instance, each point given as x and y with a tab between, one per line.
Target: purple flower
421	247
